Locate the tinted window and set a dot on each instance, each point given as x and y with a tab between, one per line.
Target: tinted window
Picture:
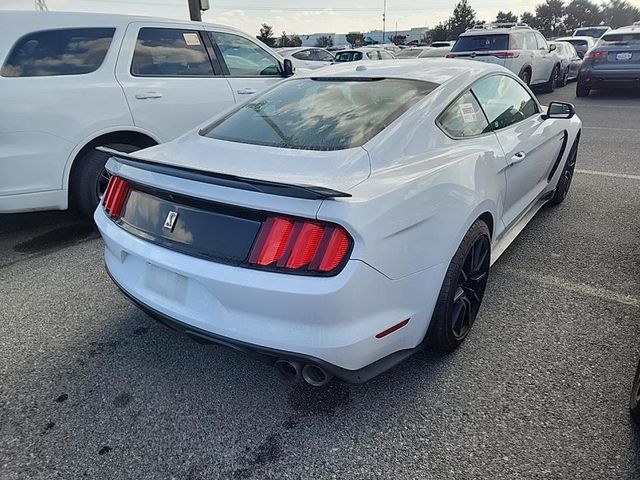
579	43
303	55
58	52
348	56
530	42
409	53
464	118
481	42
504	101
245	58
542	43
321	56
170	52
590	32
620	39
372	55
327	114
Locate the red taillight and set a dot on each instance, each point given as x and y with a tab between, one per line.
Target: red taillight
300	245
506	54
115	196
595	54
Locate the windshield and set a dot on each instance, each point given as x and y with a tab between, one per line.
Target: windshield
409	53
348	56
320	113
620	39
473	43
590	32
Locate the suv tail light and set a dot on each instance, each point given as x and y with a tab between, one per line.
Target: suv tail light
300	245
507	54
595	54
115	196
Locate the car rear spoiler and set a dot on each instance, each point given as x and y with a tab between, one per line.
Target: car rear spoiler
309	192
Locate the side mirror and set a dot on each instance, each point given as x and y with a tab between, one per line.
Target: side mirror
552	48
560	110
288	69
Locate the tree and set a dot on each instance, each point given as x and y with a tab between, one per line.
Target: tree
440	32
289	41
355	39
506	17
549	18
463	18
582	13
283	41
619	13
324	41
266	35
529	18
295	40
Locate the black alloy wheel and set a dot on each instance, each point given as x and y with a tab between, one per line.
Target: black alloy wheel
564	183
470	289
634	404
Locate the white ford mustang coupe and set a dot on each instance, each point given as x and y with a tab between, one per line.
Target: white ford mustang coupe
342	220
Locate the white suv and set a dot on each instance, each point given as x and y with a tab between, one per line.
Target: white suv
519	48
70	82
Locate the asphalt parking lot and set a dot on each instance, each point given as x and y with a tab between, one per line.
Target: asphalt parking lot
91	387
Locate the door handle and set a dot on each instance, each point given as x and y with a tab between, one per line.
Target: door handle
146	95
246	91
517	158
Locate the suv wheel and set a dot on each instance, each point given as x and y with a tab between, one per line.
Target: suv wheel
90	178
582	90
525	76
551	85
565	78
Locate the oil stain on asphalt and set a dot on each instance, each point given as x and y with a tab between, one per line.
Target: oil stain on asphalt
57	238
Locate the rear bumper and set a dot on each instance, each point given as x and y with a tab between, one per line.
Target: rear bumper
600	76
330	321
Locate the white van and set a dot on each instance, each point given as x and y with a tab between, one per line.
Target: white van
70	82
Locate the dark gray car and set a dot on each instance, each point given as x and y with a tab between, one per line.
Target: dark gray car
614	60
570	62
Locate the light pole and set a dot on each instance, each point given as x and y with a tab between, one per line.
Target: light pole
395	38
384	20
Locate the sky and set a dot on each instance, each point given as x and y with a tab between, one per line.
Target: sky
294	16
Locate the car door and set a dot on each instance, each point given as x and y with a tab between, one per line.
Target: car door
170	79
546	59
531	145
249	68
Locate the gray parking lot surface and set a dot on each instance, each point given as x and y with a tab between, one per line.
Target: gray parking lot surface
91	387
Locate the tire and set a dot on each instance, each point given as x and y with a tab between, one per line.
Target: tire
565	78
552	83
562	188
582	90
90	178
462	290
525	76
634	403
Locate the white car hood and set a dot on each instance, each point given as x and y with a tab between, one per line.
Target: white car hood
338	169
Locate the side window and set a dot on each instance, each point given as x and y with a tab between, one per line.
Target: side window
322	56
303	55
385	55
504	101
516	42
530	42
542	43
463	118
243	57
169	52
72	51
373	56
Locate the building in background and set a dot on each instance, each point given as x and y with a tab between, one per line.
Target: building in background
415	35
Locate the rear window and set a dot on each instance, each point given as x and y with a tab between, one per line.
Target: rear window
71	51
320	114
348	56
409	53
578	43
474	43
620	39
590	32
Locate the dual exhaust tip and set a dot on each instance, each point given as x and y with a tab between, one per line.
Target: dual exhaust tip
291	371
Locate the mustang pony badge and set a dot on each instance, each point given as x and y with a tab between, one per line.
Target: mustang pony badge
170	221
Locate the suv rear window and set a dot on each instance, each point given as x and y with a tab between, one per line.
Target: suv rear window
321	113
620	39
72	51
590	32
473	43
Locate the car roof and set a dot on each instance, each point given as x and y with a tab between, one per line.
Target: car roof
78	18
626	29
577	37
436	70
